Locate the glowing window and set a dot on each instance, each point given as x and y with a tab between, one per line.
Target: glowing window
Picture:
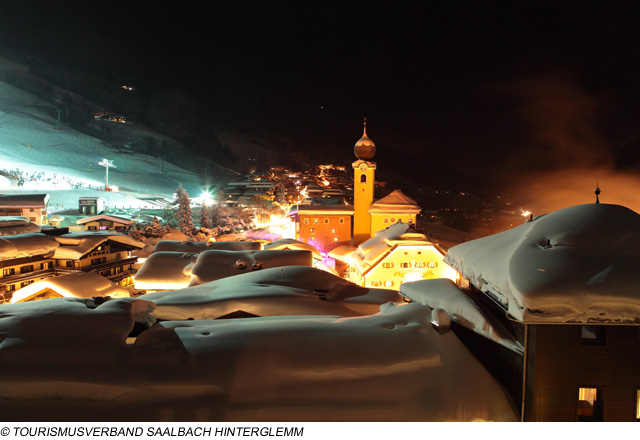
335	239
313	237
637	405
590	405
316	221
312	229
7	272
333	231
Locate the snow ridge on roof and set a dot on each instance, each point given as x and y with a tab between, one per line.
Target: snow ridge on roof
577	264
396	201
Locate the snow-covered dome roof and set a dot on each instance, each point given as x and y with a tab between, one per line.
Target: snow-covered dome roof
365	148
577	264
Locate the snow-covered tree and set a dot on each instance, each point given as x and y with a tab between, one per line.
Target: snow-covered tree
204	216
183	213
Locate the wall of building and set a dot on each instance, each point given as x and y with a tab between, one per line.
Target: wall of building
405	264
324	231
559	363
381	221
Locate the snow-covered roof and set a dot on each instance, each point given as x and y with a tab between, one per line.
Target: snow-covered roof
26	245
577	264
391	366
443	294
342	253
292	290
107	217
75	284
394	202
23	200
292	244
165	270
398	234
215	264
75	245
199	246
14	225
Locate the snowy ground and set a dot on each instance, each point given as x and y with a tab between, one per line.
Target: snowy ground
63	159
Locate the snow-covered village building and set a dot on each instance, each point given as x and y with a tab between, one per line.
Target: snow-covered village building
105	222
170	270
395	207
323	226
24	259
104	252
394	256
32	206
565	286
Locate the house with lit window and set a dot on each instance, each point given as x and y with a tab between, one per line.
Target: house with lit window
322	226
25	259
31	206
105	222
394	256
107	253
565	285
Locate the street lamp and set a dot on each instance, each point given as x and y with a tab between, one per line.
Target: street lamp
106	163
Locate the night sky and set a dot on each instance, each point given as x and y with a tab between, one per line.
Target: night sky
506	92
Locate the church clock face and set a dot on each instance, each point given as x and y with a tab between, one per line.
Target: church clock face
363	166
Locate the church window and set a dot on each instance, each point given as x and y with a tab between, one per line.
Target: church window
363	178
393	219
316	221
341	219
405	265
388	265
386	220
313	237
432	264
333	231
335	239
312	230
306	221
326	221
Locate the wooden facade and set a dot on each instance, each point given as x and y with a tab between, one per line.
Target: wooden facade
560	362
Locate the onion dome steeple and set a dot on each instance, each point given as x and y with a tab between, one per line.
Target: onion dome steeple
364	149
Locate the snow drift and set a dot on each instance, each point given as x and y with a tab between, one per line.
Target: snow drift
67	360
577	264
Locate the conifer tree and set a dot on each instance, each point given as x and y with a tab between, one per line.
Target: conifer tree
184	213
204	216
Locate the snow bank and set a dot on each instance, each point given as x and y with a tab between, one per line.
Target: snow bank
215	264
292	290
76	284
67	360
14	225
165	271
199	246
26	245
577	264
443	294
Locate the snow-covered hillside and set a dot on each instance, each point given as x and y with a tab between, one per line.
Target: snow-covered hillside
64	162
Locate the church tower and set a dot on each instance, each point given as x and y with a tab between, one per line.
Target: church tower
363	185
